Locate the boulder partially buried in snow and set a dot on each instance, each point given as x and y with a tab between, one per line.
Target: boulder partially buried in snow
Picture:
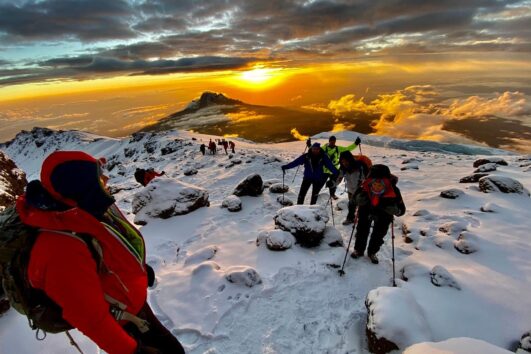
442	277
275	240
278	188
269	182
332	237
241	275
190	171
202	255
306	222
473	178
252	185
461	345
164	198
395	320
232	203
495	160
467	243
452	193
502	184
284	201
525	343
488	167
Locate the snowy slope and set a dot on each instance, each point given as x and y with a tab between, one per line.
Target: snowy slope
302	305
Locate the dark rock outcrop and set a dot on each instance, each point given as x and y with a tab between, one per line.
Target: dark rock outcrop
252	185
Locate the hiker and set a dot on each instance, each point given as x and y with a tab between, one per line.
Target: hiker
314	177
202	148
232	146
88	263
143	176
378	200
333	151
354	172
212	147
225	146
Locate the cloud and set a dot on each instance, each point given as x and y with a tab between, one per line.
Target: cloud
298	135
508	104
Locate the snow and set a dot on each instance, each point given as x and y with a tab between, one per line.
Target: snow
302	305
306	222
456	346
276	240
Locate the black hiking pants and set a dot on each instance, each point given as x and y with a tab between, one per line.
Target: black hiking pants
381	221
333	189
158	336
305	186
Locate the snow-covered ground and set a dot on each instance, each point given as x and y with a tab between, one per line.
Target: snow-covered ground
301	304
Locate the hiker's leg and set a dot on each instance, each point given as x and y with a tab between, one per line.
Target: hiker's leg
317	186
382	220
351	206
158	336
362	229
305	185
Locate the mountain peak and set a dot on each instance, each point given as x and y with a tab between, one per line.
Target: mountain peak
209	98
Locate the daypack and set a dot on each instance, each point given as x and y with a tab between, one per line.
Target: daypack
16	242
139	175
381	188
366	163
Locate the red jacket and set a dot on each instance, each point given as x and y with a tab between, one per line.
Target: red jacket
150	175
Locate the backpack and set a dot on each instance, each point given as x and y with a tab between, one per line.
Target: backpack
381	188
16	242
366	163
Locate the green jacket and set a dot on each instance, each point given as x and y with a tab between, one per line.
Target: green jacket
333	154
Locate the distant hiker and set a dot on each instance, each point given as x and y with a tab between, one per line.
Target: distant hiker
232	146
225	146
202	148
378	200
143	176
212	147
314	177
354	172
333	151
79	263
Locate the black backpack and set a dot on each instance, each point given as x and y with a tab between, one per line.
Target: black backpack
139	175
380	171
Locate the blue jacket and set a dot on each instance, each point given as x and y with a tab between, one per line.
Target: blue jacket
310	172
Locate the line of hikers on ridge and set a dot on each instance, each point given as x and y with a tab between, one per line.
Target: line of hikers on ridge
70	259
213	149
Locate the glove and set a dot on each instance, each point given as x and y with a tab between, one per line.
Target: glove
358	141
142	349
150	275
163	173
309	142
283	169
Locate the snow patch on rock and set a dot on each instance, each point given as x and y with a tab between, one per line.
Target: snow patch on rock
241	275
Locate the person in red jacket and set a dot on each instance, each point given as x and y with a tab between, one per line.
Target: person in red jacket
70	204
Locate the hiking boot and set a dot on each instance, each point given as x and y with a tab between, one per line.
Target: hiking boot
356	254
348	222
373	258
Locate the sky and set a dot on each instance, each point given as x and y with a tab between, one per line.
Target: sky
114	66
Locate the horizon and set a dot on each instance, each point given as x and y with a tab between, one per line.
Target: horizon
446	71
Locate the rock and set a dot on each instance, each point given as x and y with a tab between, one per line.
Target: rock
495	160
164	198
490	208
395	320
284	201
467	243
473	178
236	161
232	203
269	182
4	306
190	171
278	240
452	193
422	212
413	270
525	342
502	184
411	160
12	181
461	345
204	254
241	275
332	237
453	228
306	222
441	277
488	167
279	188
252	185
411	166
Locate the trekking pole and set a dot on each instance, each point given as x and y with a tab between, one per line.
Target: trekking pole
361	153
332	210
393	249
297	171
283	174
73	342
341	271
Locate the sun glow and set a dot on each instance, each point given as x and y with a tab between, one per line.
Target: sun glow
257	76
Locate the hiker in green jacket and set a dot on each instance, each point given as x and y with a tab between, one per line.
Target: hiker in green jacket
333	151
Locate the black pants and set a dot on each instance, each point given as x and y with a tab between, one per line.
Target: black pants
157	337
333	189
381	220
305	186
